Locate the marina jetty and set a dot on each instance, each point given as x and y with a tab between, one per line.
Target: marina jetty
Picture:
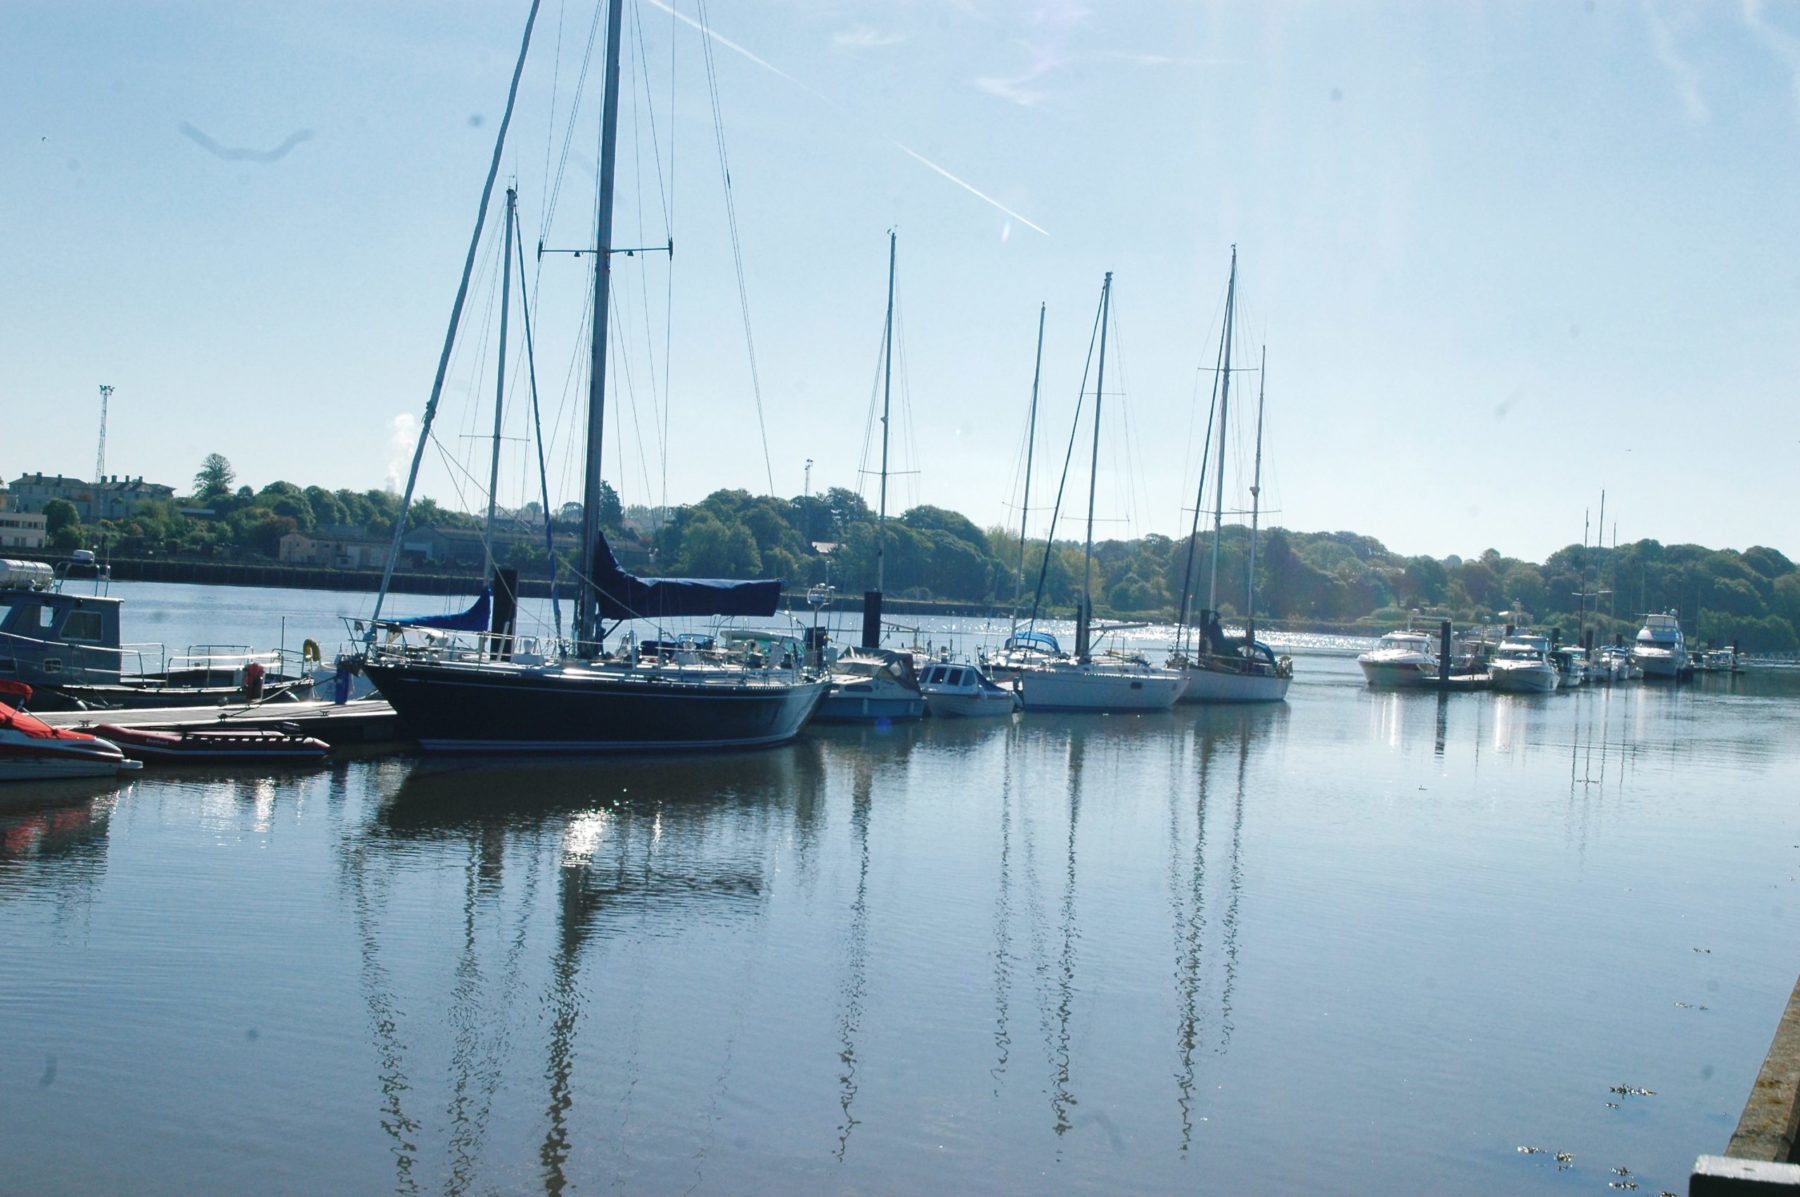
1762	1158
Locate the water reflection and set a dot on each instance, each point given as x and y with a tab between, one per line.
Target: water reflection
622	841
53	840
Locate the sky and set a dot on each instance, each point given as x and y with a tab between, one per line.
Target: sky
1502	256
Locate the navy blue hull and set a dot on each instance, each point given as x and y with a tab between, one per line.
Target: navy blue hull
457	708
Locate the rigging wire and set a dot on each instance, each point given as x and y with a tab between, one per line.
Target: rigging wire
737	252
1068	455
437	387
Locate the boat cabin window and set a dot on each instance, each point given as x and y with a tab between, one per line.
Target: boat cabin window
81	625
46	617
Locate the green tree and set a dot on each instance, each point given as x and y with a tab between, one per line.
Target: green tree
214	478
60	514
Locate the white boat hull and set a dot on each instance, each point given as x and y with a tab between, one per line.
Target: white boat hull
1217	685
980	704
1398	675
841	706
1098	688
102	759
1529	679
1655	664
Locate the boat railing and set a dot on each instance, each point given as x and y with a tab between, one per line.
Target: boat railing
79	660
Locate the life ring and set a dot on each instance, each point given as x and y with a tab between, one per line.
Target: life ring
310	651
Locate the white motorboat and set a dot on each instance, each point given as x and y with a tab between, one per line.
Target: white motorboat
1401	660
965	692
1613	664
32	750
1522	665
871	685
1660	650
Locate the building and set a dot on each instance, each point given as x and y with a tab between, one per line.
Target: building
19	529
463	548
112	498
334	548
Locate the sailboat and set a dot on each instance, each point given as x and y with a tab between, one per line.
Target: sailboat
1082	681
1222	668
871	684
578	697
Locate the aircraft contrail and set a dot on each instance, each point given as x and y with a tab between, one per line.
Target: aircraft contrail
810	89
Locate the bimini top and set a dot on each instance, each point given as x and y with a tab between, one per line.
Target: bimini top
626	596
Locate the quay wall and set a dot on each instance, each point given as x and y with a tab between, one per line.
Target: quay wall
1763	1156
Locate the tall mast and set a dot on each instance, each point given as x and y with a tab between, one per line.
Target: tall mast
1087	553
1255	506
1212	582
1188	581
1037	372
887	387
487	534
587	631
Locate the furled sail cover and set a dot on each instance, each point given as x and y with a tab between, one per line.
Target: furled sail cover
475	619
625	596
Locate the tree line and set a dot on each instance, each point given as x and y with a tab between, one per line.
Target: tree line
1302	578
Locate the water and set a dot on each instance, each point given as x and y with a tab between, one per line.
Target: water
1356	943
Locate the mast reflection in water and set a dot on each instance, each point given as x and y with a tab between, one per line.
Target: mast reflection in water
1084	953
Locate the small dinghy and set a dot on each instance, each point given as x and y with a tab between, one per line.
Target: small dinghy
214	745
32	750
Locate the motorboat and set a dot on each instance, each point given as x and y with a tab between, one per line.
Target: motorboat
1522	665
1715	660
215	745
870	685
1660	650
32	750
1612	664
959	691
67	647
1572	664
1401	660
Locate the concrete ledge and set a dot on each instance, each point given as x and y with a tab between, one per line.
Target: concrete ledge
1761	1156
1722	1176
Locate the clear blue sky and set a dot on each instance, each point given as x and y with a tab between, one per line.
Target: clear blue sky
1503	255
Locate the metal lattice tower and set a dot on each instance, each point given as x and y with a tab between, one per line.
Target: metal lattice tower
100	457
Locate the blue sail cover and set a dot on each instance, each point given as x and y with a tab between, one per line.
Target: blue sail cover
475	619
625	596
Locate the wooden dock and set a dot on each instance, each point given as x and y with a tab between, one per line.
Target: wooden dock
365	721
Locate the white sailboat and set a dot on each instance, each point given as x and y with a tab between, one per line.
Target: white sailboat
871	684
1085	681
1223	668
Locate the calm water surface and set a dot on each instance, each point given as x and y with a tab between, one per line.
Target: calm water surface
1356	943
